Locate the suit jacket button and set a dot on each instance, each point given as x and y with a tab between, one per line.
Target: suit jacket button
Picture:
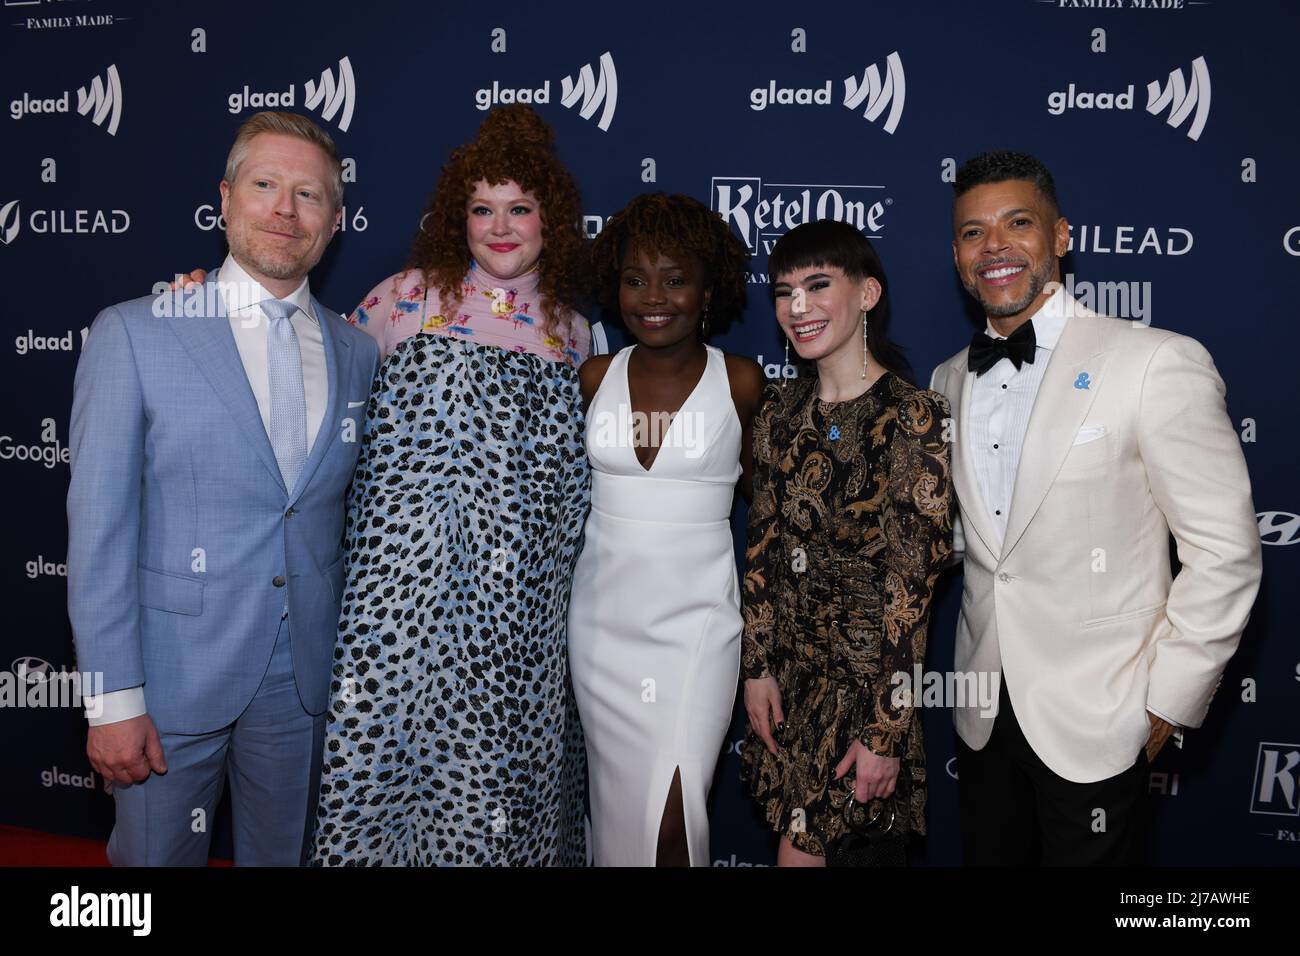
1004	577
290	513
278	580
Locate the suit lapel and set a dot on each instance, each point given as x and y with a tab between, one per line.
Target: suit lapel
211	344
1059	409
336	352
969	495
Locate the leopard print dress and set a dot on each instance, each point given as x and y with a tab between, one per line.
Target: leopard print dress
452	736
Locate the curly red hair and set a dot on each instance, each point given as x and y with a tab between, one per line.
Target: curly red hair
513	144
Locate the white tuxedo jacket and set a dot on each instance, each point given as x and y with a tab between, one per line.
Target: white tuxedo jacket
1077	607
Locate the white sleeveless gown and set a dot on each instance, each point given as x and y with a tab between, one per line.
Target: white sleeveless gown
654	619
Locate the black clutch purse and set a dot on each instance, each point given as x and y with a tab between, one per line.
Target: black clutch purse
874	837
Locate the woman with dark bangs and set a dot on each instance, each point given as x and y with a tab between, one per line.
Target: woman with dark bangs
654	622
848	531
451	736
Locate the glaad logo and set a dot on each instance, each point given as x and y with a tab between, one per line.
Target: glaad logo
761	214
1185	99
56	776
877	93
102	100
329	95
1278	527
105	98
1277	780
592	92
10	221
589	92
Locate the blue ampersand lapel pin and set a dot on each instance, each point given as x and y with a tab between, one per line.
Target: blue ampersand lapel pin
834	433
1082	380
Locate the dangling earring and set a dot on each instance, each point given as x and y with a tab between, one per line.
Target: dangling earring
787	361
704	323
864	345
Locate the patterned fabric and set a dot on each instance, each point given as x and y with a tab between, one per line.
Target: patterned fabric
507	315
452	737
850	526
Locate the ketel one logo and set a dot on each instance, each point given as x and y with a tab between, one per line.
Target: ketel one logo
873	94
589	92
1277	780
101	100
1183	99
10	222
760	213
1278	527
332	96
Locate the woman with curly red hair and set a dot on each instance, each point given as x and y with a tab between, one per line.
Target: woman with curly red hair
452	737
654	622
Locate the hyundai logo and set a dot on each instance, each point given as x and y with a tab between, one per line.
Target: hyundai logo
31	670
1278	527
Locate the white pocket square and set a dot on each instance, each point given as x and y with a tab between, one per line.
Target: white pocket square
355	404
1089	433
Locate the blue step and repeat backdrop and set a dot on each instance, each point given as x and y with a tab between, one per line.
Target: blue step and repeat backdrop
1169	124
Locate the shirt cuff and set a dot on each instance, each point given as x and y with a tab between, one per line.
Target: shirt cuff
1175	724
115	706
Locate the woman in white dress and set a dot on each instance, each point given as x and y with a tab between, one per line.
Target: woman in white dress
654	618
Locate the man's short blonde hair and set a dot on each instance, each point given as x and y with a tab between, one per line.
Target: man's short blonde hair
286	124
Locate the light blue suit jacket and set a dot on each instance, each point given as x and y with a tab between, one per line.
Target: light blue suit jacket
183	542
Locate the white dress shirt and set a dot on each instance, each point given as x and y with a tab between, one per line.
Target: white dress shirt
241	294
1000	402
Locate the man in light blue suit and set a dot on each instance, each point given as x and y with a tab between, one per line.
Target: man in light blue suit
214	435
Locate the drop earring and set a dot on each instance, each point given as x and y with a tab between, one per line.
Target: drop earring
787	362
864	345
704	323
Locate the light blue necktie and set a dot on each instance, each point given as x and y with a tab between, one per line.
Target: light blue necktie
288	399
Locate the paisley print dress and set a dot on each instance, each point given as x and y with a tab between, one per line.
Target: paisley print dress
850	526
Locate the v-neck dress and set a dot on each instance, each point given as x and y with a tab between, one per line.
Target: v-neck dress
654	620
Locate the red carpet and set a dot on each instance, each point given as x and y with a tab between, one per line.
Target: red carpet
19	847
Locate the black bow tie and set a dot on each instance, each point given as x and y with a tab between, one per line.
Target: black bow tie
986	352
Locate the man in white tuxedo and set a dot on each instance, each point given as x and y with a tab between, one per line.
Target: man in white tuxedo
1081	442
